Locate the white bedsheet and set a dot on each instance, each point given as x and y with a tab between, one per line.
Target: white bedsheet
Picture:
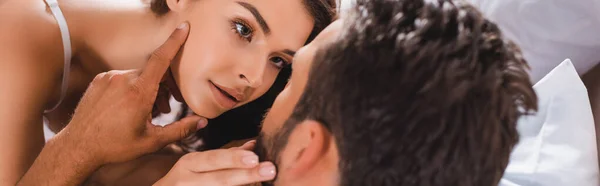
557	145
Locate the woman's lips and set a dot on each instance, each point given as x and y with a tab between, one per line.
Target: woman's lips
222	97
237	96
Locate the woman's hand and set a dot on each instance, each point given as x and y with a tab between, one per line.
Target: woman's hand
145	170
223	167
113	120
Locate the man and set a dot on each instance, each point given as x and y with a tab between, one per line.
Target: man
405	92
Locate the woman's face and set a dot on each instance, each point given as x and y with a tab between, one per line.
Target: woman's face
236	49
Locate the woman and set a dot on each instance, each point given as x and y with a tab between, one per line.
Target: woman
233	54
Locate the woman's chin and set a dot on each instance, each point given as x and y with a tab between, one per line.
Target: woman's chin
204	111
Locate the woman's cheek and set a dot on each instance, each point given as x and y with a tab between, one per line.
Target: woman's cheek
269	79
192	74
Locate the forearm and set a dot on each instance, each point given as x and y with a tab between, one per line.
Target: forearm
61	162
20	148
142	171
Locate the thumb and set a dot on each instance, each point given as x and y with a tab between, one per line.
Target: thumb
179	129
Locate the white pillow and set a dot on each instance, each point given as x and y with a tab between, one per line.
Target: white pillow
558	144
549	31
345	6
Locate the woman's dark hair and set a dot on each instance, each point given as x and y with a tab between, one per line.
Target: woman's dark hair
323	12
243	122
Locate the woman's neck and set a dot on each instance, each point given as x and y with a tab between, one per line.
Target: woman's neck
115	34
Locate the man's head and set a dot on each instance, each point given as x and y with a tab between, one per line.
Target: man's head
407	93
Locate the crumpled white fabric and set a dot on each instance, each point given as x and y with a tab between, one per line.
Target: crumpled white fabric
345	6
549	31
558	144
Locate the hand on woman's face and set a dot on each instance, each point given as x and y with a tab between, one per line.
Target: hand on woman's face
236	49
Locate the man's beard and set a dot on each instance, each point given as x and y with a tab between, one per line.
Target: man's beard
268	148
263	154
263	147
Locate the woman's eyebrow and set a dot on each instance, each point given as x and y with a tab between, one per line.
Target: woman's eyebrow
261	21
289	52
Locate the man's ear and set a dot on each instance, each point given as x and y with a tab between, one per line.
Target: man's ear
307	147
175	5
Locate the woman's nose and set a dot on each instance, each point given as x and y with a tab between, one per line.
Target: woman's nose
253	81
252	70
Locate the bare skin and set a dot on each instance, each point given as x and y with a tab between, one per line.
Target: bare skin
35	81
120	130
148	167
115	117
118	35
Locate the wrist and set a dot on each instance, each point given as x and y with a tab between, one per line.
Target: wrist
76	150
61	162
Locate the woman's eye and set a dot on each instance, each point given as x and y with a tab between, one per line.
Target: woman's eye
279	62
244	31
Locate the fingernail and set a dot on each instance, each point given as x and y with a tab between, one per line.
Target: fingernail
267	170
201	124
250	160
182	25
250	142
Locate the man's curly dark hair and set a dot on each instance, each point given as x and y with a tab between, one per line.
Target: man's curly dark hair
419	93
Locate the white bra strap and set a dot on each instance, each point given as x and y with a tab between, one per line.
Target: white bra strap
66	40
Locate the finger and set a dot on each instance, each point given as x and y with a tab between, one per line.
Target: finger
219	159
155	111
178	130
96	88
249	145
164	106
162	100
160	106
161	58
100	81
172	86
264	172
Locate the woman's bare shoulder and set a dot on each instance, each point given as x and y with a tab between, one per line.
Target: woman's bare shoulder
30	40
28	25
31	49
